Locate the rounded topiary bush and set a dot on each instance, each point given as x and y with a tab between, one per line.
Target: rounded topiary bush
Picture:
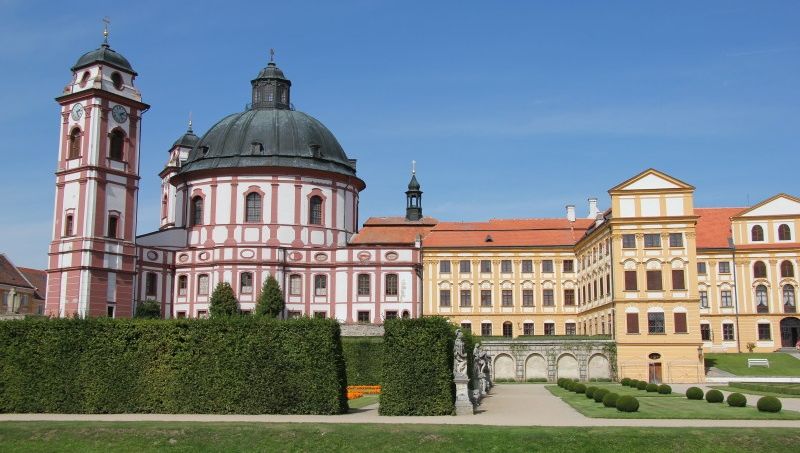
579	388
664	389
769	404
736	400
599	394
560	382
651	388
641	385
627	403
714	396
610	400
568	384
694	393
625	381
590	391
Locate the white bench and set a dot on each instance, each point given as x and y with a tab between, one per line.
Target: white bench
757	362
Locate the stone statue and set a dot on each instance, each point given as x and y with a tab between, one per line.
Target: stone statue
459	356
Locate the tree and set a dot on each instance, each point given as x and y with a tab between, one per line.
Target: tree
148	309
223	302
270	301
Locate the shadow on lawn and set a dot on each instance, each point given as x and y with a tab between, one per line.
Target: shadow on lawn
709	363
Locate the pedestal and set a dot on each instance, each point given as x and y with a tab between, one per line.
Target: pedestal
463	404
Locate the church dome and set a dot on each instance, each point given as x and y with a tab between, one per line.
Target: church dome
187	140
103	54
269	134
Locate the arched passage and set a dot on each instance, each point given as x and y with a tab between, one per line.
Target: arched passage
504	367
598	367
567	367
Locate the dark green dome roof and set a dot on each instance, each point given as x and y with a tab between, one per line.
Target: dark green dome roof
188	140
103	54
269	137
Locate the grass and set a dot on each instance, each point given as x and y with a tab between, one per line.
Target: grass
622	390
224	437
363	401
763	388
780	364
668	408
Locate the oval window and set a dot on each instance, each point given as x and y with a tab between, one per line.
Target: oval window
654	356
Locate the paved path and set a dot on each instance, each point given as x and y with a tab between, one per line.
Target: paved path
509	405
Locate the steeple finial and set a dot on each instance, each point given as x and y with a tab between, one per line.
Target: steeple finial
190	121
106	21
413	167
272	55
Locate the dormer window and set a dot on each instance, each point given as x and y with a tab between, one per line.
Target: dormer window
204	150
256	148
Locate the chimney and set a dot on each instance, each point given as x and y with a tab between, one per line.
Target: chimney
571	212
593	211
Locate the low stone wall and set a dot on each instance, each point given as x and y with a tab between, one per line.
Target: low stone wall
523	359
361	330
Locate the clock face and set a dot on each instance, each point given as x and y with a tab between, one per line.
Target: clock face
77	112
119	113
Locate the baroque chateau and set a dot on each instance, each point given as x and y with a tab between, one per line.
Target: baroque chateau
269	191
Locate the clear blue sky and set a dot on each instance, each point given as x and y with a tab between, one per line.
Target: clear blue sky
512	109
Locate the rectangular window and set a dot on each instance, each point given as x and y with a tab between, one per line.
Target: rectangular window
181	315
320	285
705	332
444	297
110	311
151	284
486	298
527	266
69	225
629	241
633	322
323	315
527	298
701	268
547	298
764	332
363	316
508	298
703	299
293	314
725	298
727	332
112	226
630	281
486	329
391	314
444	267
363	284
486	267
724	267
676	239
202	285
463	266
246	283
547	266
505	266
569	266
391	284
466	298
652	240
202	314
655	323
466	327
182	284
527	328
680	323
654	282
569	328
678	280
549	328
569	297
295	285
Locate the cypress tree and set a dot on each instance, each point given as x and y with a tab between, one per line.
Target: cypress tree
270	301
223	301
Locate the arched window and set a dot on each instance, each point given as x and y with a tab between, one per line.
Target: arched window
784	233
759	270
761	298
320	285
788	298
164	207
253	207
315	210
787	270
246	283
117	145
197	210
116	79
757	233
391	284
363	284
74	144
113	220
508	329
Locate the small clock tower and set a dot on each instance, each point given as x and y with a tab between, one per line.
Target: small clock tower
91	270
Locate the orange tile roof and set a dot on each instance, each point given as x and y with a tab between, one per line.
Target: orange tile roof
714	227
10	275
392	231
399	220
508	233
38	279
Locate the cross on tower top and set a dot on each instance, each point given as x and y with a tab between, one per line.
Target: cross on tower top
413	167
272	55
106	21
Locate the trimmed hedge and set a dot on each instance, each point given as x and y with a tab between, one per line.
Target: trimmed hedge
363	357
242	365
610	400
769	404
590	392
641	385
417	370
694	393
627	403
651	388
600	394
736	400
579	388
714	396
626	382
664	389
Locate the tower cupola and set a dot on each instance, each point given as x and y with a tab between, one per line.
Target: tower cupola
271	88
413	196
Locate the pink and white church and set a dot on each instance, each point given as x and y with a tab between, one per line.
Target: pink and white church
266	191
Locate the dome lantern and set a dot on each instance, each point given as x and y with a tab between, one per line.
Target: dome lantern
271	88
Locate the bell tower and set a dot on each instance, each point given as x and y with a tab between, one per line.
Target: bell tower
413	196
91	265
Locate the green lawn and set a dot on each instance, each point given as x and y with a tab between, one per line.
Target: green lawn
780	364
227	437
752	392
622	390
764	388
674	408
364	401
